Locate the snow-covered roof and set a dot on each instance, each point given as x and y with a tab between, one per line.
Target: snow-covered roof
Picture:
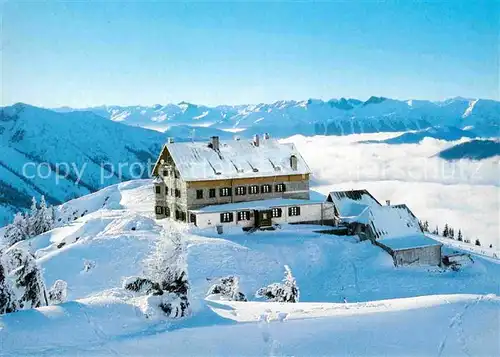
235	159
393	221
261	204
353	205
418	240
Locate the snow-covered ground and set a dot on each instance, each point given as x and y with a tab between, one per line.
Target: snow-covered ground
389	311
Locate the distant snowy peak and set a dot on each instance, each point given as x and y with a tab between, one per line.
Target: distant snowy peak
315	116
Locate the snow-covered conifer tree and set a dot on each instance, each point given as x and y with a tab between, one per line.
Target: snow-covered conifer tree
166	282
229	288
8	301
58	292
460	238
45	216
286	291
18	230
478	243
29	283
446	230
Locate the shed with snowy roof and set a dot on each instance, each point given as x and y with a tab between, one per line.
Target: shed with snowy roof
392	227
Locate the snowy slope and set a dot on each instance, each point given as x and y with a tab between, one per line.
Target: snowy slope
313	116
87	148
446	133
472	150
118	231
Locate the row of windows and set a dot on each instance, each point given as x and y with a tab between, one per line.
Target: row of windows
175	173
173	192
226	217
179	215
241	190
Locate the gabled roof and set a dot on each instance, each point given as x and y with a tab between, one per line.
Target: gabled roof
353	205
393	222
197	161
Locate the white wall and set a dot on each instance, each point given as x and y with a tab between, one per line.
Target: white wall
309	212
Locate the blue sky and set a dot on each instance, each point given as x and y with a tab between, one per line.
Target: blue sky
84	54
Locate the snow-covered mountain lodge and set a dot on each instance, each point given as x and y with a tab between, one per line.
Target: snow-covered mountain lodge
244	182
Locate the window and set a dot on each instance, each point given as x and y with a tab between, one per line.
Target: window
165	172
158	189
225	191
294	211
167	212
171	192
183	216
280	187
159	210
177	214
276	212
226	217
192	218
177	192
254	189
266	188
211	193
199	194
241	190
243	215
176	174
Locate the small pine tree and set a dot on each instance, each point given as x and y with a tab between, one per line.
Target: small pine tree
18	230
436	231
45	218
426	226
58	292
286	291
451	233
446	231
478	243
7	297
491	245
229	288
29	283
460	238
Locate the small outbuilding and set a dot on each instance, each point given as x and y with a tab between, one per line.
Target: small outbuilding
394	228
415	249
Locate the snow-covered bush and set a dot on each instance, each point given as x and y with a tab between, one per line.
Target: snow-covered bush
38	220
140	285
88	265
228	288
58	292
286	291
166	284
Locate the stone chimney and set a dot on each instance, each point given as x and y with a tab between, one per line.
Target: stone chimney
170	140
293	162
266	136
215	143
256	140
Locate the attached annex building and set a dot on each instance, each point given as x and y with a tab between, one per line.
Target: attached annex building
394	228
245	182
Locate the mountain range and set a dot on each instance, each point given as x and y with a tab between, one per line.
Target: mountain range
78	151
314	117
